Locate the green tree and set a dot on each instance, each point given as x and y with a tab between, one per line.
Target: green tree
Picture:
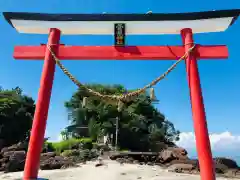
64	134
16	114
140	122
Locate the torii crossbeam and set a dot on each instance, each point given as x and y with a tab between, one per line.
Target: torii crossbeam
120	53
152	24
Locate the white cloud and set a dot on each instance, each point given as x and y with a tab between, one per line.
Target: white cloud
224	141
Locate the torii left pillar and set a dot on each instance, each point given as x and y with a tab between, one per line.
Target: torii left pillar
41	112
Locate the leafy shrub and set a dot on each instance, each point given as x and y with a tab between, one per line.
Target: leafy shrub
48	147
87	143
66	145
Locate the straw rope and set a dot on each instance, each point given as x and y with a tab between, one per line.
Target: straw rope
124	97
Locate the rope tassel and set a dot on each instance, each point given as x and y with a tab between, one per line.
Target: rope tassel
120	106
152	95
84	102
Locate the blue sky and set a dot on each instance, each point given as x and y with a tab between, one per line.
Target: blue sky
220	79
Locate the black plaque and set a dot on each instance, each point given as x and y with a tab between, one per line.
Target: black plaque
119	34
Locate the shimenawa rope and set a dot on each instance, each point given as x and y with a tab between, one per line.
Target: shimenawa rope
124	97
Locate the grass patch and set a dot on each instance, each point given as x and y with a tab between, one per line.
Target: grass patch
85	143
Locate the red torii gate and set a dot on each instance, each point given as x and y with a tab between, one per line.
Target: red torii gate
103	24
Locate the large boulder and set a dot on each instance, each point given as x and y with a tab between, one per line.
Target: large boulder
21	146
222	165
114	156
184	165
181	168
172	153
51	163
7	154
4	160
16	162
56	162
185	161
229	163
45	156
140	156
12	159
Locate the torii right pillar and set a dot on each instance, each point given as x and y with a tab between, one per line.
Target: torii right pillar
207	169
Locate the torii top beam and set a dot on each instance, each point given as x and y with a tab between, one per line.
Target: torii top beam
156	23
153	24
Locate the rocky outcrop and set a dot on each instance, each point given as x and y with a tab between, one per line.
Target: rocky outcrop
56	162
16	161
181	168
233	173
163	157
175	159
12	158
172	153
16	147
45	156
229	163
